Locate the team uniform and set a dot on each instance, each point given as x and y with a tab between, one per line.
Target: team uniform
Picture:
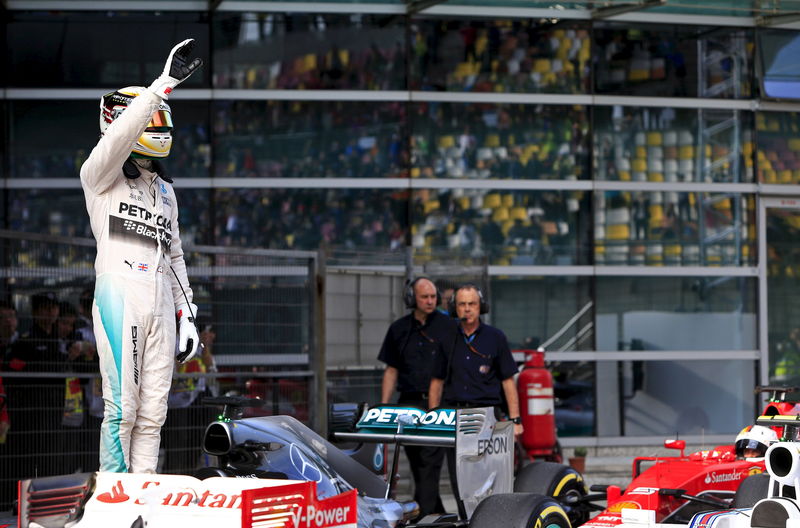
474	374
141	283
413	348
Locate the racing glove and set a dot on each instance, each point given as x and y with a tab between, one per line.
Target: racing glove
188	340
176	70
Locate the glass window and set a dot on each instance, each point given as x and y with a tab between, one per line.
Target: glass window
532	310
673	229
506	227
503	141
661	60
519	55
32	210
713	397
672	145
778	148
783	267
309	139
309	51
675	313
44	147
82	48
312	218
778	51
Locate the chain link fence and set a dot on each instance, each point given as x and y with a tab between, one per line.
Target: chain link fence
260	316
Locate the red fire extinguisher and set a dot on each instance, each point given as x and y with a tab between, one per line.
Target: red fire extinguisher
535	389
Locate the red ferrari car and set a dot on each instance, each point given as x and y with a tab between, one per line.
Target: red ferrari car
676	487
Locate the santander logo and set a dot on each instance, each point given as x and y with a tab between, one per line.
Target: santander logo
115	496
715	478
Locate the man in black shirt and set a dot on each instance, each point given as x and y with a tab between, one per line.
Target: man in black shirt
479	372
409	350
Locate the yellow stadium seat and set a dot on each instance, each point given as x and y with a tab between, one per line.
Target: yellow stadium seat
686	152
500	214
618	232
624	175
654	139
492	201
541	66
519	213
655	177
446	142
415	171
492	141
641	152
430	206
508	200
506	226
639	165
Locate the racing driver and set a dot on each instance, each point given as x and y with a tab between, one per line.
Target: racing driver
142	286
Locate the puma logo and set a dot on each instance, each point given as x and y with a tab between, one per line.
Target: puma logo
116	495
130	265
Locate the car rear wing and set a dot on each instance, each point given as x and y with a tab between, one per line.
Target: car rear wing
402	425
484	447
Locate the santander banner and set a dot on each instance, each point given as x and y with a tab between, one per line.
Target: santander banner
167	501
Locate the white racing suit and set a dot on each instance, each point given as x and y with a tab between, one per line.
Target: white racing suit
135	223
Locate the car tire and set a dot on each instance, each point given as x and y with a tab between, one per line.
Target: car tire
519	510
558	481
751	490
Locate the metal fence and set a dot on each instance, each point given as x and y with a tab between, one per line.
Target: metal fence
261	315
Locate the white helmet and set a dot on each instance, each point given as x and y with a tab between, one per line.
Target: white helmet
755	437
156	140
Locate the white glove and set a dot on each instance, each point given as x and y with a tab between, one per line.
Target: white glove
176	70
188	340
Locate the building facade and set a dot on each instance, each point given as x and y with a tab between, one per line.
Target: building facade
627	182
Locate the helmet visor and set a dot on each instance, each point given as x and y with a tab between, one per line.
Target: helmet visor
747	444
162	119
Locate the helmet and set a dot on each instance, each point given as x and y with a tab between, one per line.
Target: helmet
156	140
754	437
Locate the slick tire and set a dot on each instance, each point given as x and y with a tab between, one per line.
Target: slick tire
751	490
555	480
519	510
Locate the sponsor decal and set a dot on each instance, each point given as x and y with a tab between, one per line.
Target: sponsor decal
755	470
163	189
130	264
377	459
135	211
139	232
493	446
730	476
619	506
134	341
387	416
644	491
294	506
484	369
303	465
166	201
142	266
116	495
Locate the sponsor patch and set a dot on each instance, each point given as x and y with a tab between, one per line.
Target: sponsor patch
142	266
134	342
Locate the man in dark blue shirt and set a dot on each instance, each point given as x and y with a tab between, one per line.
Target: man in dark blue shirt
479	372
410	349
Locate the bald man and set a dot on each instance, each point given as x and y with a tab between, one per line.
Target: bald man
410	349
